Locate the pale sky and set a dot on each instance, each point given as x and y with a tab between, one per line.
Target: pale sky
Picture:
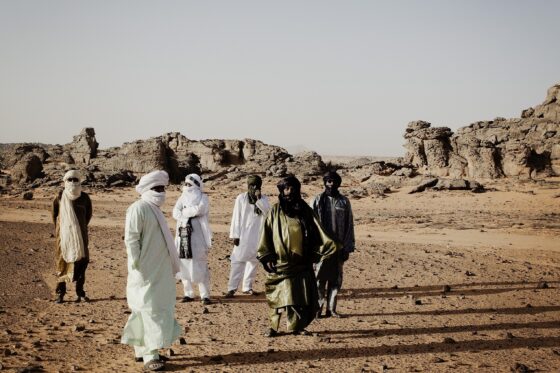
338	77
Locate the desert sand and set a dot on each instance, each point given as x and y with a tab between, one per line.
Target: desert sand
498	252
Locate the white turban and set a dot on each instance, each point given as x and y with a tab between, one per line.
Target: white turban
72	173
195	180
154	178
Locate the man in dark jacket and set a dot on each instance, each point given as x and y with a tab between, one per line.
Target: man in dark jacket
335	213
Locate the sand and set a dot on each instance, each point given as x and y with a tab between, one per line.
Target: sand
492	249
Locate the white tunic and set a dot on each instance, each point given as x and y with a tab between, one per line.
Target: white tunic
150	287
195	269
246	225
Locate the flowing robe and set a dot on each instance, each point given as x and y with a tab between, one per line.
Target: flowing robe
150	289
246	225
195	269
282	239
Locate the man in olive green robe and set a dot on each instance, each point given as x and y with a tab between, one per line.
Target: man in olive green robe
292	239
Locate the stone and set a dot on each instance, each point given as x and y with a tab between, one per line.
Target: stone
449	340
79	328
28	196
428	183
182	341
520	368
542	285
28	168
83	147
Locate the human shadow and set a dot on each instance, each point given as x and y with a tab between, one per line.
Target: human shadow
433	290
224	300
263	357
365	333
107	299
502	311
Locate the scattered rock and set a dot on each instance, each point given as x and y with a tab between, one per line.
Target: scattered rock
469	273
520	368
169	352
437	360
423	185
28	196
30	369
542	285
205	310
449	340
79	328
182	341
446	288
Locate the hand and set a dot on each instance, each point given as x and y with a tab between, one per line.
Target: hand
258	193
270	267
236	242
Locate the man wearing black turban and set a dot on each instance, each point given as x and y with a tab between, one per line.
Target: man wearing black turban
292	239
335	213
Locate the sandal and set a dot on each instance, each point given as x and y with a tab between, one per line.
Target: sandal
141	359
271	333
154	365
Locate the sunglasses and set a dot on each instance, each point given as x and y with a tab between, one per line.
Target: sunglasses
73	179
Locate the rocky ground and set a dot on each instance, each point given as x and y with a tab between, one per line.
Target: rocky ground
440	281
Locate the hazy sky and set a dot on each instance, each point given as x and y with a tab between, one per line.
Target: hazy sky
339	77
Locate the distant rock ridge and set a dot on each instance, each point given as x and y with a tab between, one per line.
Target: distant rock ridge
172	152
526	147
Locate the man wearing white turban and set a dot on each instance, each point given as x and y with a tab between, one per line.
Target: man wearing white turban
193	238
71	213
152	264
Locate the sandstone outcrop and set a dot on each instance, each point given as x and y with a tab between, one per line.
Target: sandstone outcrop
526	147
229	160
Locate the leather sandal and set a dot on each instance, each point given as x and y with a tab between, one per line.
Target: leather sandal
154	365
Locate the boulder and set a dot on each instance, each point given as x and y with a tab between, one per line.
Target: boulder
28	168
83	147
306	164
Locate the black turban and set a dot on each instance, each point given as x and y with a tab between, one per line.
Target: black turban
254	180
332	175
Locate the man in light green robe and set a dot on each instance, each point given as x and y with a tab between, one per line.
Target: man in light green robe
150	289
292	239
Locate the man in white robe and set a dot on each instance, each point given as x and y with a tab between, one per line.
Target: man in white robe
249	212
193	239
152	264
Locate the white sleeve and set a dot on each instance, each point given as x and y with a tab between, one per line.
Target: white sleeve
235	228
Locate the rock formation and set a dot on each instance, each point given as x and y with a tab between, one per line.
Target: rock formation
525	147
173	152
83	147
